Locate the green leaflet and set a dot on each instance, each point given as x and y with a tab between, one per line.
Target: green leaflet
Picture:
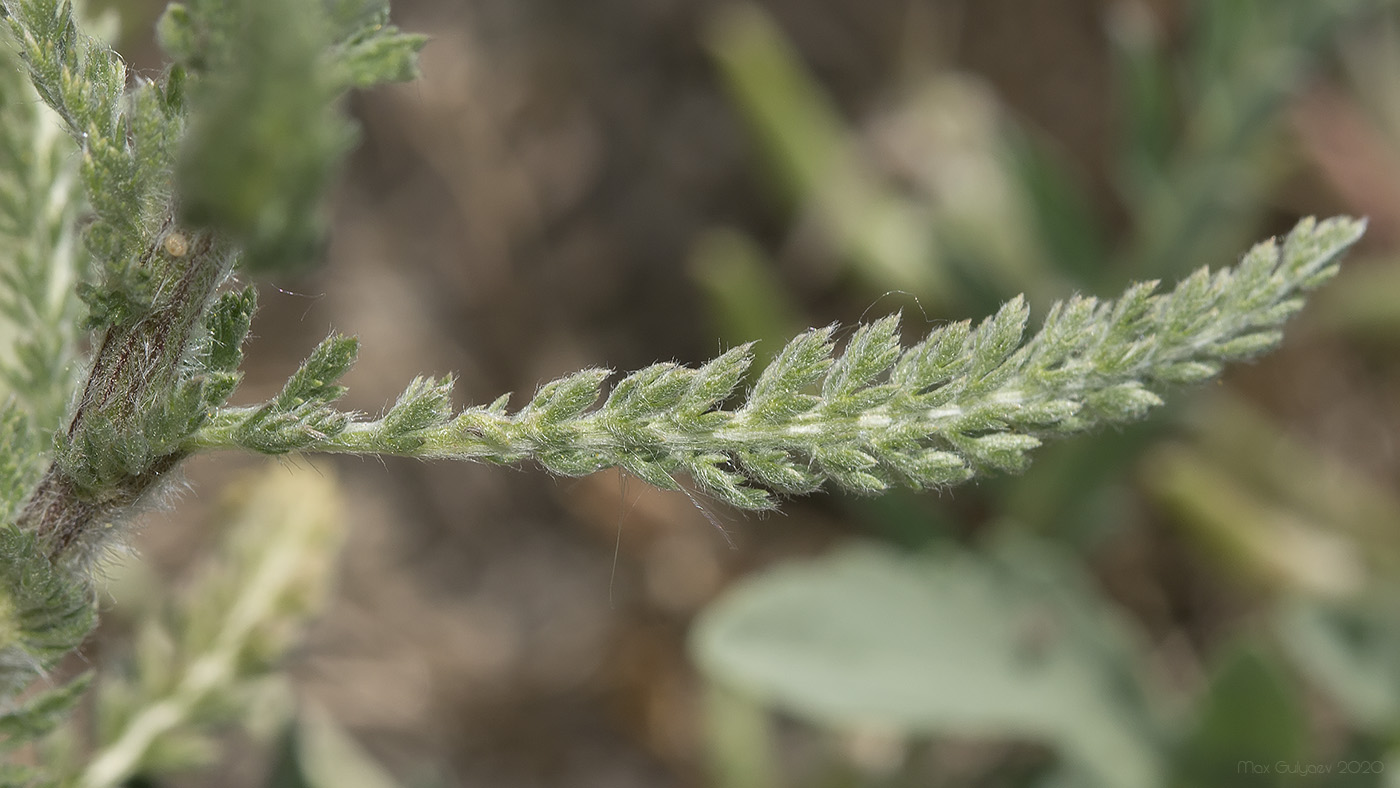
45	611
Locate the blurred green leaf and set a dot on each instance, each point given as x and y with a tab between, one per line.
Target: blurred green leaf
1250	728
1059	209
316	752
267	131
41	713
198	656
1362	302
951	643
379	53
1077	493
1352	652
1255	536
1309	483
748	300
739	737
1243	62
266	134
1146	92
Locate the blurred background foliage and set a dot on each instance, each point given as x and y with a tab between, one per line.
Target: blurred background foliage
1207	599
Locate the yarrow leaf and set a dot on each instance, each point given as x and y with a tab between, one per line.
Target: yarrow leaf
959	402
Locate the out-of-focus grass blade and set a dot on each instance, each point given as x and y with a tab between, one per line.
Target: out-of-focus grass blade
889	240
747	299
1145	92
1069	232
1256	538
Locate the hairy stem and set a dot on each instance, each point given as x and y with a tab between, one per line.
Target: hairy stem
136	362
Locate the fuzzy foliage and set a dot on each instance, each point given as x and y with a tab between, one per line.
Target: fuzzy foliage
45	612
962	401
200	656
223	161
125	139
225	156
41	261
83	142
267	132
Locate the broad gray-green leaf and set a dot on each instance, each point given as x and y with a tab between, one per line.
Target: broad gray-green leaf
945	644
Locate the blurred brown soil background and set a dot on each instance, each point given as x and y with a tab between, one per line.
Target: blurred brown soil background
526	209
